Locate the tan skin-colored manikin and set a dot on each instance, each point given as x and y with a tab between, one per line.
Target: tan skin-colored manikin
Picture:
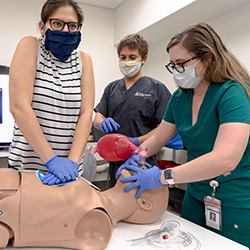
74	215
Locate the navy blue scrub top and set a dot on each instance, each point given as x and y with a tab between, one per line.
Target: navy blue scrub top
139	109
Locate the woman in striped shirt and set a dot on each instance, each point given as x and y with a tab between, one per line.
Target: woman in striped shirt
52	95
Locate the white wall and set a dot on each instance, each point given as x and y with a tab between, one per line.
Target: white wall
20	18
230	19
97	40
235	32
133	16
233	27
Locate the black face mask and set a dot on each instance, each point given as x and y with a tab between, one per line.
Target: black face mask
62	43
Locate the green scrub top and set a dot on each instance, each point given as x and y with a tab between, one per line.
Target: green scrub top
222	103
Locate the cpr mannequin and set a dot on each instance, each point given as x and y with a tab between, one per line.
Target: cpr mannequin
74	215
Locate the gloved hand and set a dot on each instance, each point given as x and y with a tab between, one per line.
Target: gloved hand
134	140
108	125
144	179
50	179
63	168
132	160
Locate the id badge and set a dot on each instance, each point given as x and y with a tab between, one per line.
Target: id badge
213	212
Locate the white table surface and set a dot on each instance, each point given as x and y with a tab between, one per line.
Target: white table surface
124	231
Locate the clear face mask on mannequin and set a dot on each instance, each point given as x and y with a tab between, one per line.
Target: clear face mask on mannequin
187	79
130	68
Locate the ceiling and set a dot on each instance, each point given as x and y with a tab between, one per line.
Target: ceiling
109	4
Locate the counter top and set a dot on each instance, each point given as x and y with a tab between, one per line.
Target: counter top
123	231
4	153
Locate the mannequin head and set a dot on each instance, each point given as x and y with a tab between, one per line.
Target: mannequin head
148	208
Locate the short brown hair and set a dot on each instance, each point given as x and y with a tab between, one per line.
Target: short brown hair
134	41
51	6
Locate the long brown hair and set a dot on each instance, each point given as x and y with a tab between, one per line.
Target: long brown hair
52	5
201	38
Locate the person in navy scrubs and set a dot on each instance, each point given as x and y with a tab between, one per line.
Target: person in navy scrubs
134	105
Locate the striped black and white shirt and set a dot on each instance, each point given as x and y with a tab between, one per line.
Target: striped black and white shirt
56	103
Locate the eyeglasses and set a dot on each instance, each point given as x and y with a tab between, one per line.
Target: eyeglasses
57	24
179	67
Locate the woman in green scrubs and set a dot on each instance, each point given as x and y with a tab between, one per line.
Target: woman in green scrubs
211	112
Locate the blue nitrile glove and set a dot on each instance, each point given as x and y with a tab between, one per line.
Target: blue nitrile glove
50	179
108	125
144	179
134	140
63	168
175	142
132	160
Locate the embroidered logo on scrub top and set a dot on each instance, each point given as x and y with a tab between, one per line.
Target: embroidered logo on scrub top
141	94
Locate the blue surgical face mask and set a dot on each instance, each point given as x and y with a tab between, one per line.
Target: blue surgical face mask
187	79
61	43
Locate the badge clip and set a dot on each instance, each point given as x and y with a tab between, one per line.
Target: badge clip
214	184
213	208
